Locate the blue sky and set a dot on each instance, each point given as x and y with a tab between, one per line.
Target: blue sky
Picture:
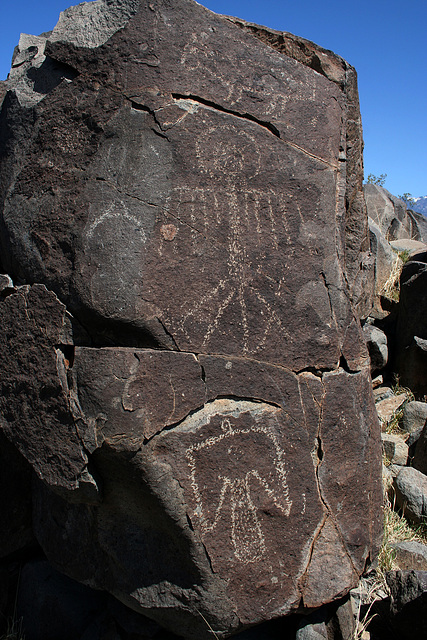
384	40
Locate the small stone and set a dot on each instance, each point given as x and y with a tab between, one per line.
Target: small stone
376	341
376	382
345	619
5	282
414	416
408	603
388	407
411	555
382	392
411	493
307	631
420	457
395	448
395	469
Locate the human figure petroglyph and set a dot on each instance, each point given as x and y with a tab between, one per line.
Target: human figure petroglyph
236	485
242	212
240	208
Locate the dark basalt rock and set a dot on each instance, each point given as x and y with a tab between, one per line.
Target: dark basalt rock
408	603
190	382
411	334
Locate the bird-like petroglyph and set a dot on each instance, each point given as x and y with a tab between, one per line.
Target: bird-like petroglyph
229	500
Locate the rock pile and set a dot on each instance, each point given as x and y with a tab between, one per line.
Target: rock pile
394	332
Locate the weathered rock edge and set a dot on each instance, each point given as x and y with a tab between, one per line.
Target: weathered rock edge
359	262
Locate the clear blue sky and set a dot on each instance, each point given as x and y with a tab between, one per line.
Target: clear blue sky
384	40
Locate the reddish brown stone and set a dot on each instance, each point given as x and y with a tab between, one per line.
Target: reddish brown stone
249	463
34	401
350	470
247	243
192	193
148	391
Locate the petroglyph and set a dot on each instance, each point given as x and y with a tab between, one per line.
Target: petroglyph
236	157
242	215
231	502
116	211
104	250
267	88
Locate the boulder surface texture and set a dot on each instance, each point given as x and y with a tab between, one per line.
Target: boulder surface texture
390	214
410	360
180	362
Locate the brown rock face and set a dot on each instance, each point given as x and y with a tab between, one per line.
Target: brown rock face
190	382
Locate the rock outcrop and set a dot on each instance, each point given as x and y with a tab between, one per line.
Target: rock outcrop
181	362
411	335
390	214
393	229
408	603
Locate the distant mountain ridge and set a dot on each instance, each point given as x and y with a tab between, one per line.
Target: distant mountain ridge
420	205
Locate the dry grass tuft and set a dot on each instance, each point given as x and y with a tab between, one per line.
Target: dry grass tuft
393	426
391	288
396	529
14	630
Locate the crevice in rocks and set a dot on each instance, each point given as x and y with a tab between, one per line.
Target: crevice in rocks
159	133
68	351
168	333
320	453
318	372
112	332
328	290
227	396
174	425
208	557
367	563
303	579
344	364
190	524
244	116
142	107
325	282
6	292
319	449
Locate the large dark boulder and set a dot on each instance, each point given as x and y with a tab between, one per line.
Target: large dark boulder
408	603
410	360
189	382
